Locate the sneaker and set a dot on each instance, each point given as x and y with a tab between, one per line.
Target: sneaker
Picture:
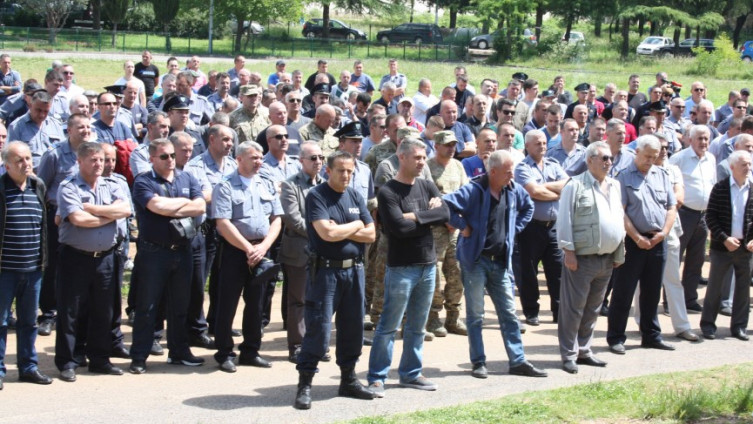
428	336
436	327
377	388
420	383
479	370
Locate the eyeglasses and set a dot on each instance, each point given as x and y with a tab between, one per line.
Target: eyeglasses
699	89
166	156
692	113
508	112
384	127
280	136
607	158
295	101
108	104
69	73
314	158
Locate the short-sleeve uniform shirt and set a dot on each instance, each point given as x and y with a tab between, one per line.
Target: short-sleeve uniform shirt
324	203
247	203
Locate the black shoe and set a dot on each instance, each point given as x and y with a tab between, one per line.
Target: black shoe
137	367
120	352
45	327
131	316
570	367
479	370
326	357
68	375
157	349
11	324
236	333
80	360
708	335
703	281
591	361
256	361
533	321
726	311
694	307
228	366
657	344
527	370
187	360
604	310
303	396
367	341
35	377
740	334
108	369
293	355
351	387
202	340
1	383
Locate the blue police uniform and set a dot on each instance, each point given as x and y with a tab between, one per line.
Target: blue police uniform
11	79
538	241
109	134
463	135
13	107
198	143
573	163
39	138
163	265
86	273
646	199
208	173
248	204
335	281
59	109
272	171
624	158
200	111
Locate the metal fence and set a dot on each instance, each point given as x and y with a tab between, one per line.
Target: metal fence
264	45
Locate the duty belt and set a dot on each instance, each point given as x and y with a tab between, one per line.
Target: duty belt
342	264
98	254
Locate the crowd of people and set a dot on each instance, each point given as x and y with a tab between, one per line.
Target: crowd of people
384	213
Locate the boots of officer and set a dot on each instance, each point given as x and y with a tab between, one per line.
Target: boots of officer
351	387
303	397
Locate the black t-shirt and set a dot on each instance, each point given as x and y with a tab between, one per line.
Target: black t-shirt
494	244
146	74
410	242
323	202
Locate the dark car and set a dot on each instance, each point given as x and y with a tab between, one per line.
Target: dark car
415	33
337	29
685	46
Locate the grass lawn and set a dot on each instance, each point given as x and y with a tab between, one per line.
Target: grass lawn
718	395
95	73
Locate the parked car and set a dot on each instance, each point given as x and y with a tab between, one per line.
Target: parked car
685	46
337	29
656	46
576	37
746	51
486	41
416	33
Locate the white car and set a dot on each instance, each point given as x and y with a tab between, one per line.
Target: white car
656	46
576	37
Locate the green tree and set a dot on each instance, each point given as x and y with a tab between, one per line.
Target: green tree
164	12
738	11
257	10
116	11
54	11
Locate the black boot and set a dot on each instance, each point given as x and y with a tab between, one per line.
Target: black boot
303	397
351	387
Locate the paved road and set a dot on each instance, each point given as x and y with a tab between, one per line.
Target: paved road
169	393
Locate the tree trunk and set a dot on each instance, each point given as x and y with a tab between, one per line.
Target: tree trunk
114	33
597	26
412	6
52	37
739	22
325	19
96	15
625	38
617	25
453	16
539	20
239	33
688	31
568	28
485	27
641	24
168	41
611	23
653	27
676	36
698	35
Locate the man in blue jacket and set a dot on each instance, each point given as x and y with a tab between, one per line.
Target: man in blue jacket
489	212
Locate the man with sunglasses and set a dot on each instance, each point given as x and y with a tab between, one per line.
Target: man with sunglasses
739	108
108	128
293	101
505	115
676	119
724	111
697	94
590	204
278	115
178	111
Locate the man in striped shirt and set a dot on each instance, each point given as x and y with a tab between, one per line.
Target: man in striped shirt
22	257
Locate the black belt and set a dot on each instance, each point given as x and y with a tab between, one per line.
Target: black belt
494	258
687	209
650	233
99	254
166	246
341	264
547	224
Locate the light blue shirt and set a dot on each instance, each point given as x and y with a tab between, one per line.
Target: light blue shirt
55	166
208	173
527	171
573	163
39	138
248	207
646	198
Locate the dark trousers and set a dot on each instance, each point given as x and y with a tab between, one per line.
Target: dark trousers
721	262
47	298
212	270
197	322
693	250
295	281
538	242
235	279
648	267
85	290
133	287
162	272
338	292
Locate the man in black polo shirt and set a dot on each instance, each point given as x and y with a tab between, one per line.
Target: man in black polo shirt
339	227
147	73
161	197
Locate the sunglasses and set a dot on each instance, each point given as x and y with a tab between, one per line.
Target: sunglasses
740	107
699	89
508	112
108	104
384	127
68	73
314	158
607	158
166	156
280	136
295	101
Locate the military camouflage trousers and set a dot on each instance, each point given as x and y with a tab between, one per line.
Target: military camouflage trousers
449	286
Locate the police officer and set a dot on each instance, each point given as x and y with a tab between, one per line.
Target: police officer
55	166
339	226
247	210
108	128
350	140
209	168
177	108
649	203
89	208
320	129
37	128
163	198
249	120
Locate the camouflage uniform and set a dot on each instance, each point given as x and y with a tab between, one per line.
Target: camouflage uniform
449	286
326	139
378	153
248	126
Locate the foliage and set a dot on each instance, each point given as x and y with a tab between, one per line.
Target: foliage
54	11
164	13
709	63
141	18
115	11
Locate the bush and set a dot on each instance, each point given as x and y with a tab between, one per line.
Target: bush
141	19
710	63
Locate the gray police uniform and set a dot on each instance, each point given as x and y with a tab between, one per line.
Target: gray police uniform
573	163
39	138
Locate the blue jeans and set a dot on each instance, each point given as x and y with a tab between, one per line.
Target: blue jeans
408	291
24	287
495	277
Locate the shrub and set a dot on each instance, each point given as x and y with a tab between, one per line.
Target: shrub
710	63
